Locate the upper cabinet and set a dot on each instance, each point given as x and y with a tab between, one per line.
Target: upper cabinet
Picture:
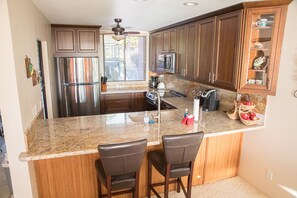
227	55
237	48
263	40
75	40
205	50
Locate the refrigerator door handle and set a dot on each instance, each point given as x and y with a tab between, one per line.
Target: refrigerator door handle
80	84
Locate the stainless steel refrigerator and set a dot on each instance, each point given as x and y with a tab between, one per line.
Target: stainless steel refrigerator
79	86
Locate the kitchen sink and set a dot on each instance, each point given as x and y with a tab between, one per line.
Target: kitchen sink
165	116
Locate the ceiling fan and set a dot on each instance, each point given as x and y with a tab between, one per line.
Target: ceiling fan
119	32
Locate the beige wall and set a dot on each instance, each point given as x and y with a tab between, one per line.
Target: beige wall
21	25
275	147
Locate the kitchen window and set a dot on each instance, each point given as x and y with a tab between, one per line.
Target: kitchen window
124	60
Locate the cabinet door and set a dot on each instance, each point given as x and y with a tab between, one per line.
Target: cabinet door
87	41
165	41
140	100
181	38
222	157
172	33
159	48
191	51
227	50
262	50
64	40
117	103
205	49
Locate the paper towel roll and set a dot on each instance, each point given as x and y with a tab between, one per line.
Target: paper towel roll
196	109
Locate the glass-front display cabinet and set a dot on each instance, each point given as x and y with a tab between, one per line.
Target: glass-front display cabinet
262	43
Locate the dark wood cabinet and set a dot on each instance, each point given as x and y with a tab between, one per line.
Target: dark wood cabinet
191	51
181	40
123	102
165	41
172	33
205	49
75	41
228	45
230	48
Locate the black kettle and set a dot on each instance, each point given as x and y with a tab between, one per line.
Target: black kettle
209	100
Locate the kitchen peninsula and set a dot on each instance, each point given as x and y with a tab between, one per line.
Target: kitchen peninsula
65	149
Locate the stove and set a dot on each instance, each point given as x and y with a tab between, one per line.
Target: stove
152	101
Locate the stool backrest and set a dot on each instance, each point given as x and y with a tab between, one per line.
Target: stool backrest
179	149
123	158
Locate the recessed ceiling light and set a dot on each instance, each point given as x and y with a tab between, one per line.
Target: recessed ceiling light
139	0
190	3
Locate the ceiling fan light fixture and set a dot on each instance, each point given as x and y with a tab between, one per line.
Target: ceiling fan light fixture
190	3
118	37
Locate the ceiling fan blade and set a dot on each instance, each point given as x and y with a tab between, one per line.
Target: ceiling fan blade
131	32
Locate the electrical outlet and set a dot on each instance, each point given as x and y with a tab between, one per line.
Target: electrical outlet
269	174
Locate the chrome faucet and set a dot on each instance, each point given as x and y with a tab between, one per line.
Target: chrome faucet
159	106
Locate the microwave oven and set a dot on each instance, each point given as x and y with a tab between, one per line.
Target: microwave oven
166	62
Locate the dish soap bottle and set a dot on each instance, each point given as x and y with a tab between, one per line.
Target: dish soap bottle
146	118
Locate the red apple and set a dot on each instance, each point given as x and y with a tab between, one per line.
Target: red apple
245	116
248	103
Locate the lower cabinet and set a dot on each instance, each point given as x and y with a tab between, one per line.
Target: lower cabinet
122	103
75	176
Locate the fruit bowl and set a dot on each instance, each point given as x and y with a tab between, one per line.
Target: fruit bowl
248	117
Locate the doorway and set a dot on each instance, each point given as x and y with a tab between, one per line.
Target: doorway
42	82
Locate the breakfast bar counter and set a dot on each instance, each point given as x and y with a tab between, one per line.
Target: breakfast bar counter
81	135
63	151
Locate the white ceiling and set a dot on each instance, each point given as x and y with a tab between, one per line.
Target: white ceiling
141	16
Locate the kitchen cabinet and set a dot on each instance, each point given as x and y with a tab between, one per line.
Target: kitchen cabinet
161	42
181	39
75	40
227	55
191	51
218	51
205	49
230	50
123	102
261	54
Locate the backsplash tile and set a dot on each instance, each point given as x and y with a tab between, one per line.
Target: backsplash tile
226	97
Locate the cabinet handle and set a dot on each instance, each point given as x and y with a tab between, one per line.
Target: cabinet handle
213	77
209	77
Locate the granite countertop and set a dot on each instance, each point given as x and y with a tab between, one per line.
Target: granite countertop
80	135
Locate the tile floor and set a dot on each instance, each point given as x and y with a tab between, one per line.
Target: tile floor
4	189
234	187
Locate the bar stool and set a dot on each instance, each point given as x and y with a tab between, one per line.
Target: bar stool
174	161
118	167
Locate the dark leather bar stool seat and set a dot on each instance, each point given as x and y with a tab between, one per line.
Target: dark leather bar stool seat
118	167
175	161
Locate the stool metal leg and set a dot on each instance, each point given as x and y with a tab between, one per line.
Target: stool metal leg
190	176
149	183
108	185
136	189
99	188
166	186
178	185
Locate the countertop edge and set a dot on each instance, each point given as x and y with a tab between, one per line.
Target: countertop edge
24	158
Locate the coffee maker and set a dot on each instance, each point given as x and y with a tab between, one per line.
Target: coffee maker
153	83
209	101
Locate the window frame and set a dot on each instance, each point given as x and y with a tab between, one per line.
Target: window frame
144	60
